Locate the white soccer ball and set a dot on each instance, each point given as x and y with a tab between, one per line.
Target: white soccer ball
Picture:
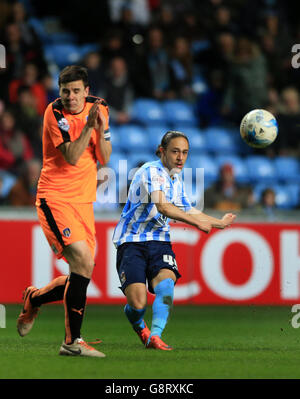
259	128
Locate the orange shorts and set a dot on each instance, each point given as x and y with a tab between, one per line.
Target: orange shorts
64	223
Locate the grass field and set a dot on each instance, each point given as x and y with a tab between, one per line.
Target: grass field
210	343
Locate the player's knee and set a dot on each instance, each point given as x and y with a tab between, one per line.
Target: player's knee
137	302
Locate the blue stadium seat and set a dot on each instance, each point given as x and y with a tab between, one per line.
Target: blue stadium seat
137	158
208	164
239	166
7	182
196	138
287	196
155	134
115	157
287	169
220	141
46	30
147	111
178	112
115	138
62	54
261	169
133	138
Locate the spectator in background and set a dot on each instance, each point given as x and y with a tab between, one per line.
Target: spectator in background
247	81
223	20
118	91
114	46
18	53
166	21
23	192
267	204
19	16
14	146
28	121
30	78
226	194
157	64
50	87
93	62
287	142
129	27
182	69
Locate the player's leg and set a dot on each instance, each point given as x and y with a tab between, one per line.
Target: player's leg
135	309
162	275
33	298
81	263
131	265
163	287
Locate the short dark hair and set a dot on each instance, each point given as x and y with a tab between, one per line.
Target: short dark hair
72	73
170	135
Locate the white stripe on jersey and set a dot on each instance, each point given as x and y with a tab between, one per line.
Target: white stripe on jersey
140	220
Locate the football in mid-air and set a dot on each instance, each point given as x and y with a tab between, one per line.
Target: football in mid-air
259	128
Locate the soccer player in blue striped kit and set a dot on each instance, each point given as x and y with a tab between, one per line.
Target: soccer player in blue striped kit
142	237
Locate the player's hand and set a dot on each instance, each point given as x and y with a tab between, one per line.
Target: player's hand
228	219
93	115
100	122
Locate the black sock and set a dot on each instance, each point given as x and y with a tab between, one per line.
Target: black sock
52	292
74	300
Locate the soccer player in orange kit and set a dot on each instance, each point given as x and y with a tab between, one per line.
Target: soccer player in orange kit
75	137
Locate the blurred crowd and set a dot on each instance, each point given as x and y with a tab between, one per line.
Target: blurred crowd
225	57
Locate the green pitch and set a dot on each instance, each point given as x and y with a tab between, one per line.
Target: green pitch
209	341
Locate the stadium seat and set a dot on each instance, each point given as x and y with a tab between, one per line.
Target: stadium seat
49	31
155	134
261	169
115	138
287	169
196	139
62	54
178	112
287	196
220	141
7	181
136	159
147	111
239	166
207	163
133	138
114	159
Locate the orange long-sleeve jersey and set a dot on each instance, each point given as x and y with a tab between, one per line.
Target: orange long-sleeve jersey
59	180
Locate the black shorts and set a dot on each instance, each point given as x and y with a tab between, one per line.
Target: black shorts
140	262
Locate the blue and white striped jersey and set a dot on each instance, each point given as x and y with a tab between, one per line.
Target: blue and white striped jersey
140	220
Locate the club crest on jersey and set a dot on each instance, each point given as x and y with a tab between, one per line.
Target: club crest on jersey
67	232
63	124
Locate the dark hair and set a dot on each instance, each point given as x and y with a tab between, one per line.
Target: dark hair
72	73
170	135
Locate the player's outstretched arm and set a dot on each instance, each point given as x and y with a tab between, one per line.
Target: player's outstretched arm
171	211
226	220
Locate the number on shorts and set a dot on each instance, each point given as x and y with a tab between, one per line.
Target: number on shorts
170	260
